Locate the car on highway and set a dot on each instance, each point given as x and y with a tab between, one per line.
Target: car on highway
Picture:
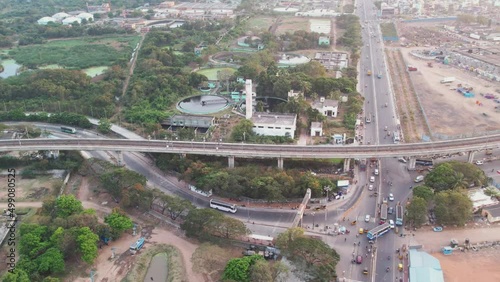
365	271
367	218
390	210
391	197
359	259
375	171
372	179
370	187
479	162
391	223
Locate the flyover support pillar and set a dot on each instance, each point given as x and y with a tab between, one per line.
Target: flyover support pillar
412	162
280	163
347	165
470	159
119	158
230	161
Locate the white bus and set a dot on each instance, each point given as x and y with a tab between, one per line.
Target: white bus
201	192
214	204
378	231
396	137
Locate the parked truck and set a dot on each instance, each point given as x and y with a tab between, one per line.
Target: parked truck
447	80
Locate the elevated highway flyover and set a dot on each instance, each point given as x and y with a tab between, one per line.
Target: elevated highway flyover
245	150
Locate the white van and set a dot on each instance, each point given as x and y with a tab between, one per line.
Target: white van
419	178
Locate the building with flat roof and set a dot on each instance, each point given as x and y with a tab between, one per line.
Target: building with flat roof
316	129
274	124
480	199
492	213
332	60
193	121
424	267
327	107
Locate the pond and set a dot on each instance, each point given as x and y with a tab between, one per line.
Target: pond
10	68
157	270
211	74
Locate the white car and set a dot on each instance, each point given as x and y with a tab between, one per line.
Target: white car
479	162
370	187
391	197
372	179
367	218
375	171
391	223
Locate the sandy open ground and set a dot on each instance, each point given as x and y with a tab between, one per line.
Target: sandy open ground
480	266
447	111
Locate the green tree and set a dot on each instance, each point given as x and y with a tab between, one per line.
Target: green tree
442	177
260	272
51	279
471	174
120	179
87	244
51	261
238	269
176	206
243	131
67	205
104	126
452	208
228	227
197	220
118	221
17	275
417	211
423	192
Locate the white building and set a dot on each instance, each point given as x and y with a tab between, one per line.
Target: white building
86	16
71	20
60	16
480	199
327	107
316	129
46	20
274	124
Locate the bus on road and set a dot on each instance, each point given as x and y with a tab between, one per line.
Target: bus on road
378	231
399	215
68	129
201	192
218	205
383	212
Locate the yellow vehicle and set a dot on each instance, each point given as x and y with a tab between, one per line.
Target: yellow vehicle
361	231
365	271
369	72
400	267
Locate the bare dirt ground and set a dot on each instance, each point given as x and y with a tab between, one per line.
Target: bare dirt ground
462	266
115	270
447	111
409	112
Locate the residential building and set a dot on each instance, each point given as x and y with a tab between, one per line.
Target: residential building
99	9
480	199
316	129
327	107
492	213
332	60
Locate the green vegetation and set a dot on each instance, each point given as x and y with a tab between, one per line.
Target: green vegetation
62	232
312	257
238	269
452	208
455	175
351	38
388	30
77	54
207	224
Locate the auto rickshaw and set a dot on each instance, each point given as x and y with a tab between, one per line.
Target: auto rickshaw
361	231
365	271
400	267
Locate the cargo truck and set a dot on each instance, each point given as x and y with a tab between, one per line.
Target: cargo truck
383	212
447	80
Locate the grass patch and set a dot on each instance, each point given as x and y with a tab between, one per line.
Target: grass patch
175	266
260	23
211	73
77	53
291	24
388	30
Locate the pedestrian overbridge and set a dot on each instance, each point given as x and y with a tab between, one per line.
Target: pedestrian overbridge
244	150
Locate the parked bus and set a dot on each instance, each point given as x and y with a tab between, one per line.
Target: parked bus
201	192
396	137
135	247
214	204
399	215
424	162
68	129
383	212
378	231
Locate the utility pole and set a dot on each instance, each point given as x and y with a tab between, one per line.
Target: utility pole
327	189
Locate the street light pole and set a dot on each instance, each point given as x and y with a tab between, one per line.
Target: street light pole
327	189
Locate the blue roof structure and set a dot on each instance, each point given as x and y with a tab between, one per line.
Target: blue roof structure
424	267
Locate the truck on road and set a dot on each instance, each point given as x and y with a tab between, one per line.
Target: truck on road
399	215
447	80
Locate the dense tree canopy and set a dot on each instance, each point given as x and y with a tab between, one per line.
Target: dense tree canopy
452	208
205	223
423	192
417	211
